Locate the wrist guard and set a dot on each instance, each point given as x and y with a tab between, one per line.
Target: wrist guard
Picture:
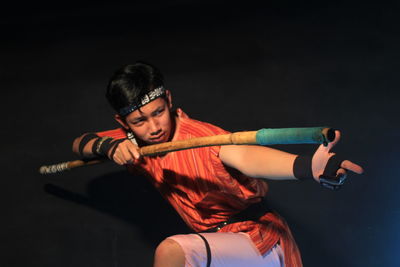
302	167
101	146
104	145
329	178
302	170
86	139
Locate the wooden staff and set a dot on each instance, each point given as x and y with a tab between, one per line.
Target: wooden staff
282	136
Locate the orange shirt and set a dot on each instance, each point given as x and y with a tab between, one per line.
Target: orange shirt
205	192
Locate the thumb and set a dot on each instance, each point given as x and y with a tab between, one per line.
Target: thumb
334	142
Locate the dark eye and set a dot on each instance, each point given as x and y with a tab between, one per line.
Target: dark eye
138	121
158	112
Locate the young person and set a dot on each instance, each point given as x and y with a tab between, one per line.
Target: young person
218	191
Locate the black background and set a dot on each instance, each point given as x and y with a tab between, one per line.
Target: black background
240	66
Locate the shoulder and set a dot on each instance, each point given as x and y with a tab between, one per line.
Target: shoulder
118	133
192	127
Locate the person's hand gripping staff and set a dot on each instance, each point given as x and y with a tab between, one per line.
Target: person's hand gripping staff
125	153
325	166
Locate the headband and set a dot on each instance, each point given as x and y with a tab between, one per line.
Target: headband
147	98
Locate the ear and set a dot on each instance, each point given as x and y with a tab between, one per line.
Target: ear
169	97
121	120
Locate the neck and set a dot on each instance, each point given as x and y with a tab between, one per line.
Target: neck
174	126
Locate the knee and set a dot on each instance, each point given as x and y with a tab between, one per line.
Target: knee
169	253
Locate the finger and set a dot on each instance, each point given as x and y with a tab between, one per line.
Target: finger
335	141
325	149
119	155
118	160
348	165
133	150
341	172
126	154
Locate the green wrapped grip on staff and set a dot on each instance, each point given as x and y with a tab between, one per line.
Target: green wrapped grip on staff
286	136
263	137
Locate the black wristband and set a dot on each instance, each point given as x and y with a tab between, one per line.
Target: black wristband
97	146
105	146
86	139
302	169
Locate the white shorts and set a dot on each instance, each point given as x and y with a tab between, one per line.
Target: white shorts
227	249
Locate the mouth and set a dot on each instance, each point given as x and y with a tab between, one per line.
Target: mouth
157	138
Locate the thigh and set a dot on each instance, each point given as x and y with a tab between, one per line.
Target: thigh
227	249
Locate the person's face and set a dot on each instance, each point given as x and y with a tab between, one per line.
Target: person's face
152	123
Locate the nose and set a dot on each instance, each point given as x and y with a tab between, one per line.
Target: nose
154	127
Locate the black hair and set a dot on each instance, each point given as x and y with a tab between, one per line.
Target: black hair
131	82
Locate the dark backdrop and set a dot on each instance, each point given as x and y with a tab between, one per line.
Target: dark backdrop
240	66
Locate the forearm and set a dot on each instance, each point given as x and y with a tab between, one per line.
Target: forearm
87	149
259	161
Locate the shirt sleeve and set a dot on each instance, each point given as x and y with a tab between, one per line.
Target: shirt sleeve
118	133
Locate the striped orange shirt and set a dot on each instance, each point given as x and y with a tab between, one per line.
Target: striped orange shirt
206	193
